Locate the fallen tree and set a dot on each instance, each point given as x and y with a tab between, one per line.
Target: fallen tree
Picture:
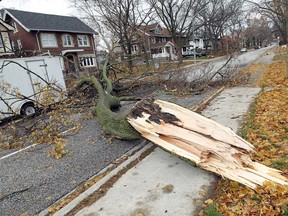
210	145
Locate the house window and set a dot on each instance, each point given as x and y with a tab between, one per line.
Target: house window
83	40
157	31
1	43
88	61
19	43
48	40
134	48
160	39
67	41
13	45
153	41
15	27
157	50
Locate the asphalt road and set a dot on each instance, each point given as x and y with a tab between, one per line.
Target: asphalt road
208	68
30	181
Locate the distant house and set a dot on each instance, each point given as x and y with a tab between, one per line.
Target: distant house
153	39
37	33
5	42
160	43
188	49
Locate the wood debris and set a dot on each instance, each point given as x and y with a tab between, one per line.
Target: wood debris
210	145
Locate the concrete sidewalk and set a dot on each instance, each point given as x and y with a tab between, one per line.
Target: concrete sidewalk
162	184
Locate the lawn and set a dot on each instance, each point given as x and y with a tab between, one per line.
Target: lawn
281	56
266	127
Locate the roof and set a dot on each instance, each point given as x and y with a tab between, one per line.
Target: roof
162	44
31	21
151	26
149	29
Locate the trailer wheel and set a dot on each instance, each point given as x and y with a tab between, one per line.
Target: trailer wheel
28	109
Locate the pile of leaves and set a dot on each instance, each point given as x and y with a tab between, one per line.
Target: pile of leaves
266	127
281	49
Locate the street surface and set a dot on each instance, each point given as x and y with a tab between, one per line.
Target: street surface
208	68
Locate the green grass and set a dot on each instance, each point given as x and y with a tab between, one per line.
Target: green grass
243	132
280	164
248	123
280	56
211	210
286	212
197	58
255	198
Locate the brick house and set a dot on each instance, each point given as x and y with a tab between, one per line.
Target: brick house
160	41
40	34
154	40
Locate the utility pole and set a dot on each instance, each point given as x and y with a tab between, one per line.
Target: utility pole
193	31
194	43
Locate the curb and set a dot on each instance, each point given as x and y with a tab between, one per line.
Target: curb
139	149
200	106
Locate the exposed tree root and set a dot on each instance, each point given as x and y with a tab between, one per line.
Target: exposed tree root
111	122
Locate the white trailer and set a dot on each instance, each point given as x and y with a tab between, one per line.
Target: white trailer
23	76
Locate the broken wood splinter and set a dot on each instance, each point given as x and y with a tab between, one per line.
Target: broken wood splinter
210	145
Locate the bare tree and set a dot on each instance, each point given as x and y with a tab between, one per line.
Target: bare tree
178	16
122	18
277	11
235	30
257	33
218	17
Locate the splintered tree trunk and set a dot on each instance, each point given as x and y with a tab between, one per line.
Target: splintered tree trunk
210	145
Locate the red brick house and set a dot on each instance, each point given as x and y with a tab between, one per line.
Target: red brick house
38	34
160	43
152	39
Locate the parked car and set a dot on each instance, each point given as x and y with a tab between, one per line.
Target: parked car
243	50
203	53
191	53
257	47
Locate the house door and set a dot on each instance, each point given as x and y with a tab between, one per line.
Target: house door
70	65
168	50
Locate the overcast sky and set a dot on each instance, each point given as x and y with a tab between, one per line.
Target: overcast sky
59	7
